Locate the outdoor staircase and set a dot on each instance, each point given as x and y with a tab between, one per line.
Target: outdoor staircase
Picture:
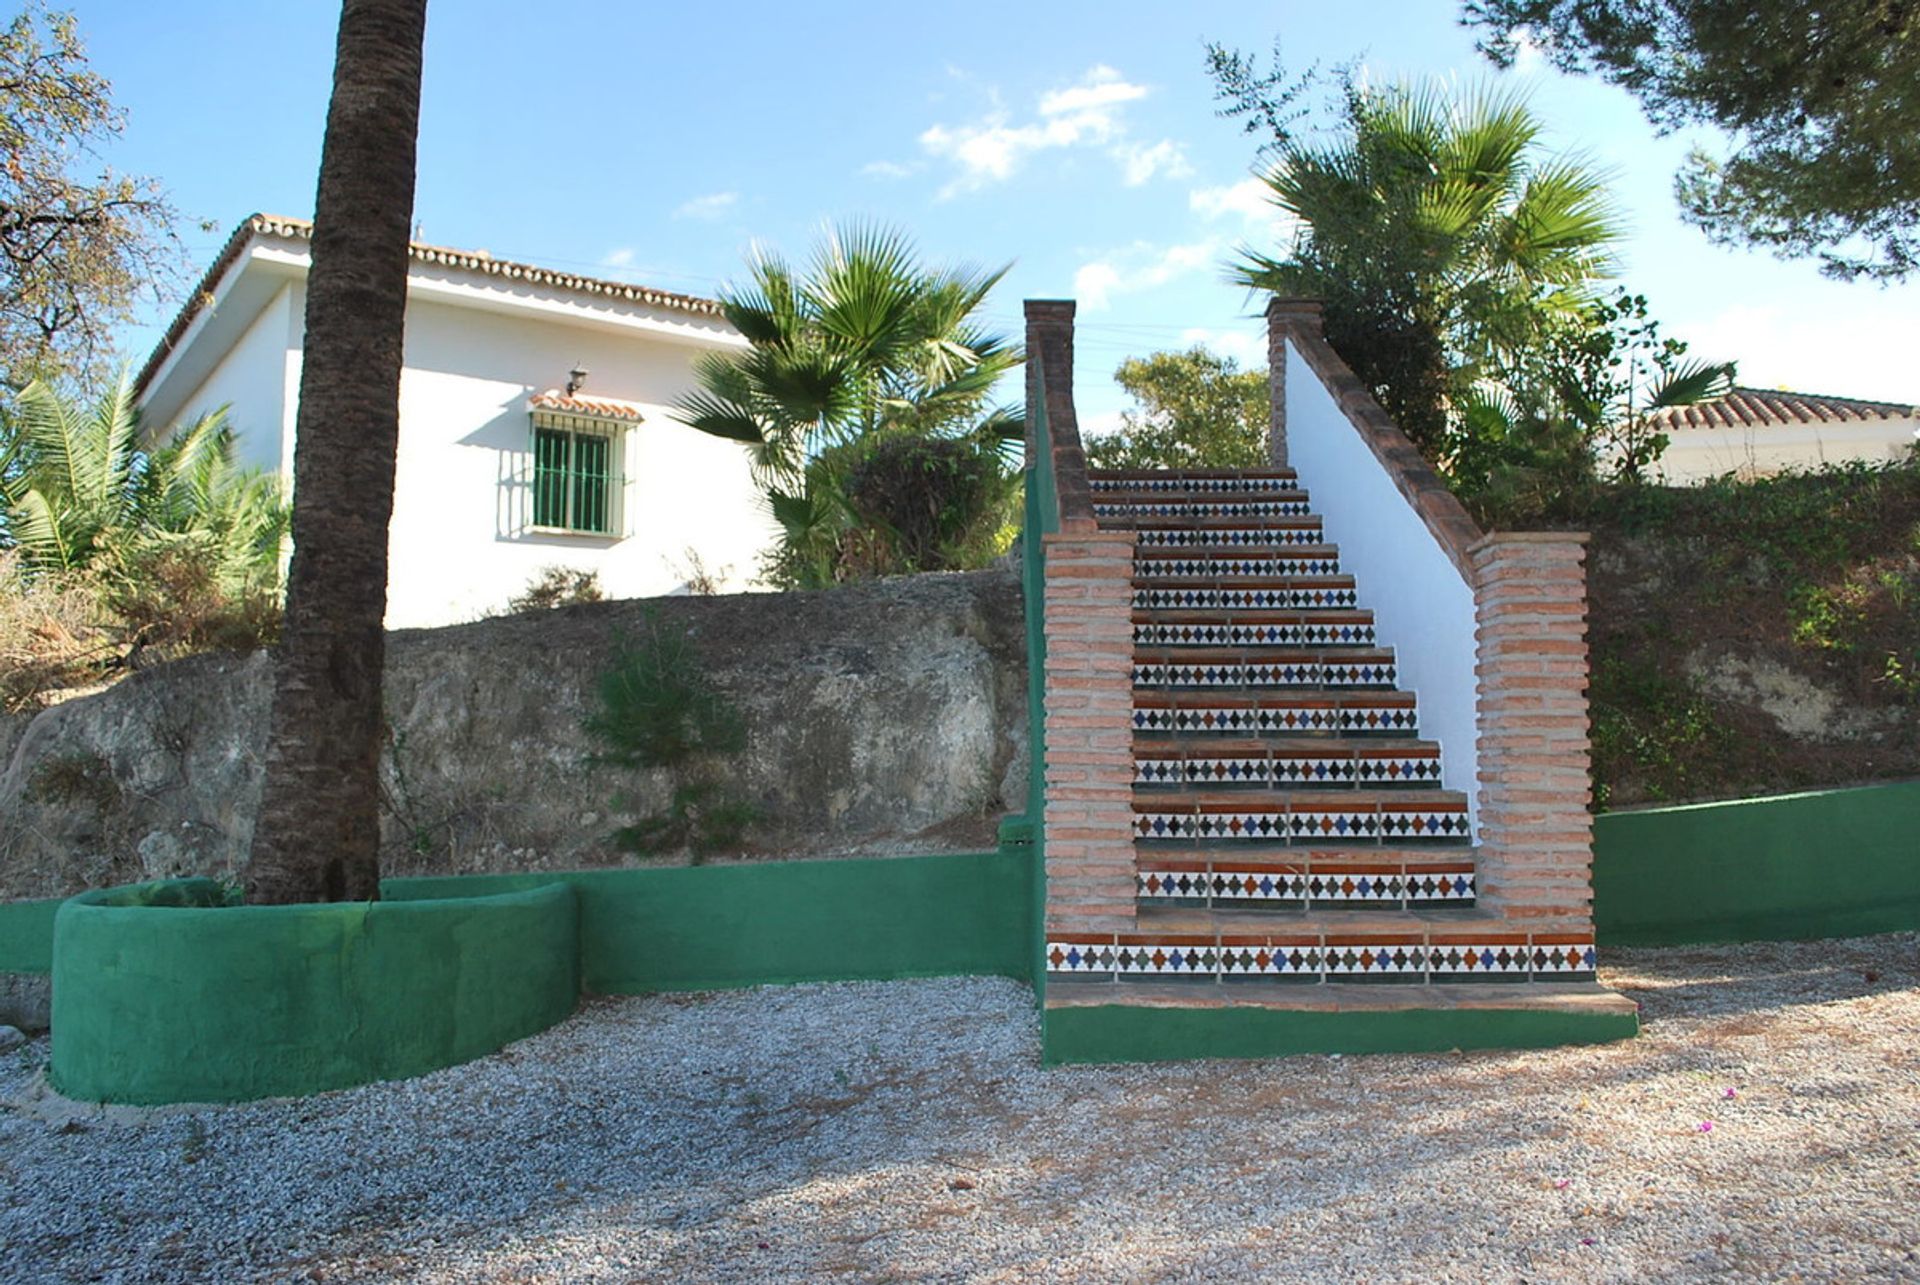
1270	824
1289	823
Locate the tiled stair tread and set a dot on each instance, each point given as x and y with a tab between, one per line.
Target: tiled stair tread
1293	856
1365	997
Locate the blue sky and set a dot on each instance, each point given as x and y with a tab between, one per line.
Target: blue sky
657	141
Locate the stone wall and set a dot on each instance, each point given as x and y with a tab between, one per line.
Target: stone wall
882	719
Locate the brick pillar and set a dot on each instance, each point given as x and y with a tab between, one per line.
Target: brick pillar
1536	836
1050	347
1284	316
1089	705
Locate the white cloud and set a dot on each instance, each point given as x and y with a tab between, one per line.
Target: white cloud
1528	56
1099	424
1100	89
1139	163
889	169
1138	267
707	207
1249	201
1088	113
1247	346
621	258
1861	348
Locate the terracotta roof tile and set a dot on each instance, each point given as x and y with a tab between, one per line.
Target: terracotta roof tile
597	407
1762	408
467	260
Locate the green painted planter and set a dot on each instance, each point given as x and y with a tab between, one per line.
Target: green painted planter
167	993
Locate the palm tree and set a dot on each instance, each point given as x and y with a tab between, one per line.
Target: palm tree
81	488
317	836
862	344
1446	248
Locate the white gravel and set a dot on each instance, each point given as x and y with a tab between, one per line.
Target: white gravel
1766	1124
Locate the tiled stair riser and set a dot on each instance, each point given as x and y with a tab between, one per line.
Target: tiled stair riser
1313	672
1243	484
1356	714
1191	564
1355	631
1302	823
1202	538
1295	505
1408	958
1306	884
1333	593
1281	770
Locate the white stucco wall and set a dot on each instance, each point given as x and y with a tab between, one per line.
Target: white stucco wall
1422	606
252	381
476	348
1695	455
461	543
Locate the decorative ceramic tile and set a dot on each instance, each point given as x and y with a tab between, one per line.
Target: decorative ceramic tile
1229	633
1206	770
1275	508
1399	767
1251	886
1078	955
1439	885
1347	959
1254	958
1244	484
1171	957
1251	598
1265	674
1417	821
1166	566
1225	537
1356	715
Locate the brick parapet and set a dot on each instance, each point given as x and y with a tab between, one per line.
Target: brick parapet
1088	764
1299	322
1536	836
1050	385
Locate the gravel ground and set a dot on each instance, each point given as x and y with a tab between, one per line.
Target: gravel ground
1766	1124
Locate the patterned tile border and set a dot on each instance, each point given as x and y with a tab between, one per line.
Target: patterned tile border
1154	766
1438	821
1357	713
1253	633
1226	537
1238	484
1274	673
1184	565
1339	594
1292	507
1409	957
1227	885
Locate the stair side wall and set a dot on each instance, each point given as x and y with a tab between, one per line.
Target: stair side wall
1089	732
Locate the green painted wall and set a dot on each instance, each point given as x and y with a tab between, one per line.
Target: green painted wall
1132	1034
26	935
163	993
706	927
1839	863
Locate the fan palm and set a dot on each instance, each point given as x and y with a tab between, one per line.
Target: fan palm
1445	246
862	342
79	485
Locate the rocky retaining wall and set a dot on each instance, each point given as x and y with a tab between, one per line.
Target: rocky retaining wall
882	719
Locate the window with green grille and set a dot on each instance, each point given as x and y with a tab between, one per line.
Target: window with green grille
573	480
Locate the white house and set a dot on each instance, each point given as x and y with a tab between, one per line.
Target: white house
535	425
1754	432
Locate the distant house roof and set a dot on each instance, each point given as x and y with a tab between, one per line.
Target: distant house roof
469	260
1763	408
592	407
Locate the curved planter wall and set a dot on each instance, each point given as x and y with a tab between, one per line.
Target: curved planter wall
165	993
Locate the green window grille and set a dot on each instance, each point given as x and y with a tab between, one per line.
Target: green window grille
573	481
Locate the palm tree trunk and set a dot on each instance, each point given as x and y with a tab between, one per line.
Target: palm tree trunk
317	837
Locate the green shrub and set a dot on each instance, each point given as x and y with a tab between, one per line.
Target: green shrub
557	587
658	710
